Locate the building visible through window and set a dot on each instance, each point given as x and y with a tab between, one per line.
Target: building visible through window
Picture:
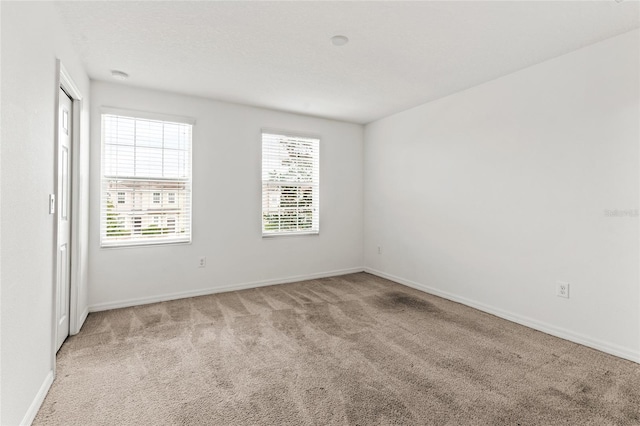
137	224
150	160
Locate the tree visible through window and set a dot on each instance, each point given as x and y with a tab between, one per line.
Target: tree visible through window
146	158
290	184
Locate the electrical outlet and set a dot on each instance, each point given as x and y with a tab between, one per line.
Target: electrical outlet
379	250
562	289
202	262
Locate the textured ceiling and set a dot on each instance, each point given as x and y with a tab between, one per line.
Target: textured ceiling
278	54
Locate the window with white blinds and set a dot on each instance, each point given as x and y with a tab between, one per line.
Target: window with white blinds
146	181
290	184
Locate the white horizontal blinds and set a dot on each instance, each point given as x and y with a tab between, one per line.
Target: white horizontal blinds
290	184
146	181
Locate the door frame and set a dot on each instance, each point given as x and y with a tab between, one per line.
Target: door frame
65	81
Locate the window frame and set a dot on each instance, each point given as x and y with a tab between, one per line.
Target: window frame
302	135
145	115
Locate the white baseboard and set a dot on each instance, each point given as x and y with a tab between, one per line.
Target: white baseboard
31	413
203	292
562	333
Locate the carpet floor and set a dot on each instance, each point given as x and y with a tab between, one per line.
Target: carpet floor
348	350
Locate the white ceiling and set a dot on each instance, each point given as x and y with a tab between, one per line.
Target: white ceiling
278	54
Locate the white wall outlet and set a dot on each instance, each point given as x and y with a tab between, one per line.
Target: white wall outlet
202	262
562	289
379	250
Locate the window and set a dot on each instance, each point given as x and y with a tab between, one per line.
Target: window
171	224
145	157
290	184
137	224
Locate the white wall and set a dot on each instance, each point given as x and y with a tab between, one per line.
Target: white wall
32	39
491	195
227	205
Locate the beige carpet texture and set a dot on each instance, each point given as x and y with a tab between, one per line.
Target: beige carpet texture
348	350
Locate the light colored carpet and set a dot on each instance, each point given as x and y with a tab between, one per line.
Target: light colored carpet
349	350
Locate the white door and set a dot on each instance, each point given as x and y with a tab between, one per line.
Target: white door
63	282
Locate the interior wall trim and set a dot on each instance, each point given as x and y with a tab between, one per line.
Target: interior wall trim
607	347
222	289
31	413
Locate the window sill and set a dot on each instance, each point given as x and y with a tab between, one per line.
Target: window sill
111	246
290	234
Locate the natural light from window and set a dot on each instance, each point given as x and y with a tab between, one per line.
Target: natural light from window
146	181
290	184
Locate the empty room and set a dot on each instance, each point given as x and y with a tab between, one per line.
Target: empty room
320	213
